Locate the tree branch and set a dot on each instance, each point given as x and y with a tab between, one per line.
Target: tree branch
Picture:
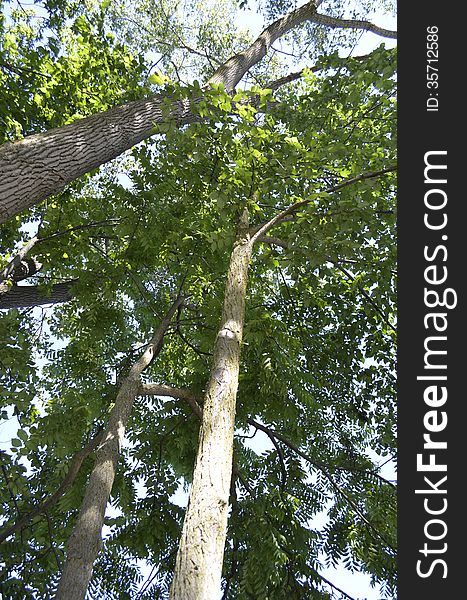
277	83
51	540
154	389
22	70
10	491
21	267
334	22
178	330
327	582
27	296
75	466
365	294
323	469
106	223
280	455
307	457
262	229
282	244
232	71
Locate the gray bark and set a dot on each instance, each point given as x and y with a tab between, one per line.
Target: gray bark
353	24
86	539
44	164
199	561
232	71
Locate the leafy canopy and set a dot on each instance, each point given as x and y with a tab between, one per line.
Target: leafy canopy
317	377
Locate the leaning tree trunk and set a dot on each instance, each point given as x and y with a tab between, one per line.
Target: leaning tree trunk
200	554
86	539
45	163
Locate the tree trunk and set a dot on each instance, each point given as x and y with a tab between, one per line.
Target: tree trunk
86	539
198	567
26	296
45	163
232	71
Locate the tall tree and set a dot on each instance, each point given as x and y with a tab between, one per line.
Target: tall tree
85	541
33	169
199	562
314	374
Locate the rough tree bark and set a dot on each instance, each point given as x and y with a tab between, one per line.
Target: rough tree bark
198	566
44	164
86	538
27	296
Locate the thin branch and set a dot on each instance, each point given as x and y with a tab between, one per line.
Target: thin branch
318	464
183	338
277	83
75	466
10	491
153	574
298	205
106	223
280	455
235	545
274	241
334	22
365	294
237	473
246	437
154	389
282	244
190	345
284	52
334	586
323	469
23	70
52	547
145	295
